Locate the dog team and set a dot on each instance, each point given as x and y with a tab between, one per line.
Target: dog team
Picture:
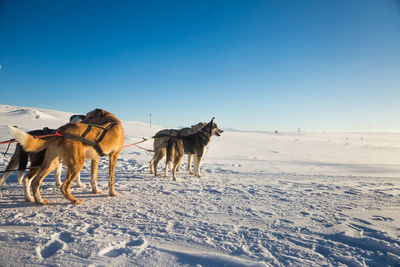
94	135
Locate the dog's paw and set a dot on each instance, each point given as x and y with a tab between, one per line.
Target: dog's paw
81	185
43	201
114	194
78	201
97	191
30	199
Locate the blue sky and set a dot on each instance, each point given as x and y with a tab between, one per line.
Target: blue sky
254	65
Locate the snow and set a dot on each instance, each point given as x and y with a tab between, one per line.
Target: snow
265	199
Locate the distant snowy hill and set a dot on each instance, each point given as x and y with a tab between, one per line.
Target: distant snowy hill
265	199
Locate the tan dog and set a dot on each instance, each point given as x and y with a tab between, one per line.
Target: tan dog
19	161
72	151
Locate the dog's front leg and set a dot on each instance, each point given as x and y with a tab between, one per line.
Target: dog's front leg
197	160
113	162
189	167
93	176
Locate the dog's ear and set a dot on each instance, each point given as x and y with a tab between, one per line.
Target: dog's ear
96	116
212	120
99	112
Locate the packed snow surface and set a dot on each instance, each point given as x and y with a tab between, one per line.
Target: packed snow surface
265	199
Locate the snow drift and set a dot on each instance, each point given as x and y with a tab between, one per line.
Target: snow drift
303	199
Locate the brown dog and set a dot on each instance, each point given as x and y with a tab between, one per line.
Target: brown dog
76	144
19	161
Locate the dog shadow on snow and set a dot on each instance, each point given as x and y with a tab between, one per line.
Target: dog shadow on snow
13	196
17	201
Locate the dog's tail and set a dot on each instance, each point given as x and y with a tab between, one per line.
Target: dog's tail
170	149
27	141
174	149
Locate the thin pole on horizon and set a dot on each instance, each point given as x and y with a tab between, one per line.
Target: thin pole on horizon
150	119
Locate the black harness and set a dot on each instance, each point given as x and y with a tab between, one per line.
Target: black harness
86	141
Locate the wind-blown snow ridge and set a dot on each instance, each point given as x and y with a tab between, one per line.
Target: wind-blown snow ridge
311	199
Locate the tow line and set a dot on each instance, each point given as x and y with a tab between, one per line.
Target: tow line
57	133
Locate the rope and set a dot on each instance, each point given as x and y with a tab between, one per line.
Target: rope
148	150
57	133
8	147
8	142
136	144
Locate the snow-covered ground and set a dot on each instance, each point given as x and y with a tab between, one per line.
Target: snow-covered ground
265	199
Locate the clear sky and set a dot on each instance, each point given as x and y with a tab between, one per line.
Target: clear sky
254	65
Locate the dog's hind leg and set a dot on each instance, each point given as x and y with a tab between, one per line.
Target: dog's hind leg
57	175
158	156
152	164
93	176
23	162
167	165
153	159
20	176
158	146
73	170
27	184
178	167
113	162
45	169
177	161
14	163
170	151
78	181
3	179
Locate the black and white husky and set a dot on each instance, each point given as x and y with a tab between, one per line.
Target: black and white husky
19	162
161	140
194	144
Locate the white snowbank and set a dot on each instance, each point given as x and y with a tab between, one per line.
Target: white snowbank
307	199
